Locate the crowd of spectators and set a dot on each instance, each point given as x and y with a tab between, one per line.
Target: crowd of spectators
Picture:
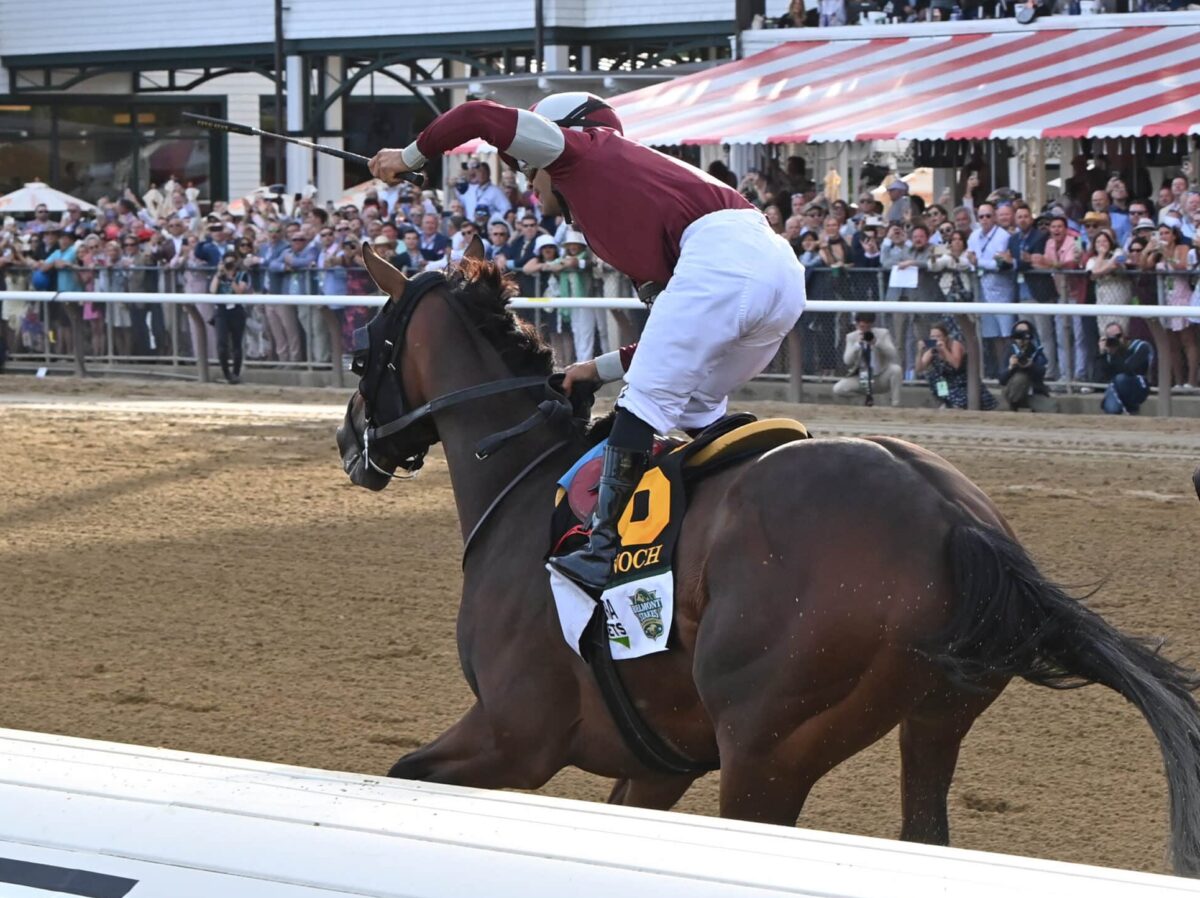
830	13
1091	246
274	244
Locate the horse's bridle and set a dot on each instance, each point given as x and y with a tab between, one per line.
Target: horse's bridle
377	351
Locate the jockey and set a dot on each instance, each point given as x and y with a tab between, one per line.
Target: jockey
731	289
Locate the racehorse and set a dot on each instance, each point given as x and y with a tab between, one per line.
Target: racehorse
828	591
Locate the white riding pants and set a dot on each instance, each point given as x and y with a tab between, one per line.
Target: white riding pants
737	291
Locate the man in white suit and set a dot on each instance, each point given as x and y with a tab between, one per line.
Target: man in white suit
870	355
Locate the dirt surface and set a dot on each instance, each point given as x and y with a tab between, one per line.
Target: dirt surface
186	566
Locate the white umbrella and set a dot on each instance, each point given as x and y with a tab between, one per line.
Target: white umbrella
37	194
354	196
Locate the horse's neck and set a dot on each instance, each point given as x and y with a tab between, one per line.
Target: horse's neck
477	483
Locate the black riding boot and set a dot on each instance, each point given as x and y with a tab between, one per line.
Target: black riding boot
592	564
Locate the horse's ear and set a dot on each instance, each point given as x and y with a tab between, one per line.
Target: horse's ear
387	276
475	250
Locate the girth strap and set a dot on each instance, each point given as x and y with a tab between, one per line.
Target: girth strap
646	744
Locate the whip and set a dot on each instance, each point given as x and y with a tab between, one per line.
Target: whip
220	124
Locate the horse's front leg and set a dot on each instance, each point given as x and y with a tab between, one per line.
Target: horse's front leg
659	793
469	754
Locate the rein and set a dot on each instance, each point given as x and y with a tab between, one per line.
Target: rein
449	400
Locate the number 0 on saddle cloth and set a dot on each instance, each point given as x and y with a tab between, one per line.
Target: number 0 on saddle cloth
638	601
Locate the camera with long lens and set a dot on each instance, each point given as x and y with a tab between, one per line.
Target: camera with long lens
868	336
1025	347
1112	342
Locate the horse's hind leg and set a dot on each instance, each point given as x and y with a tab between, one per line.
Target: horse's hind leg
929	742
659	793
769	764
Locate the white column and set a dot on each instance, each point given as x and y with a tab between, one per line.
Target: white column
331	171
4	86
710	153
299	160
555	58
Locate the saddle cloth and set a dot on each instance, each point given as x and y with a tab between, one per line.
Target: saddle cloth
639	599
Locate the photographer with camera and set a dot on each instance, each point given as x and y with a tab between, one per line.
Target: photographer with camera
870	355
944	363
1123	362
1024	380
230	318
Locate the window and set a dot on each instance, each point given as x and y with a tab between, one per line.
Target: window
100	146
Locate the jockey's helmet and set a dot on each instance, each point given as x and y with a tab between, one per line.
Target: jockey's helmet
578	109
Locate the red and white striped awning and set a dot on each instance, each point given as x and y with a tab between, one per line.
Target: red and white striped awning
1043	81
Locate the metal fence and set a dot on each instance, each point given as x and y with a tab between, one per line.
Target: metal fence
132	319
163	322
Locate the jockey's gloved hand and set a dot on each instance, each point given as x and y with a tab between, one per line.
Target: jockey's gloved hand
580	372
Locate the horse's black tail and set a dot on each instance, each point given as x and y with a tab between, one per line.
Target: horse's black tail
1196	481
1010	621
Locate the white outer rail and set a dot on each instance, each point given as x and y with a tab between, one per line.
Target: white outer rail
185	825
813	305
971	309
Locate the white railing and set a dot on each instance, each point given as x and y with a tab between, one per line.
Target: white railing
967	312
123	819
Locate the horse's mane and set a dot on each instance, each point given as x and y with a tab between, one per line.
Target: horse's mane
485	289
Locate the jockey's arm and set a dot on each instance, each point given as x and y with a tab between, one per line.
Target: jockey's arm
517	133
603	368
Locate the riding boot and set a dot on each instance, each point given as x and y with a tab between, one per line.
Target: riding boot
591	565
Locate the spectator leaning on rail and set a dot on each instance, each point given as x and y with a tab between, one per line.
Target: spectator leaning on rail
1027	241
1123	364
870	357
663	226
990	247
1063	253
898	254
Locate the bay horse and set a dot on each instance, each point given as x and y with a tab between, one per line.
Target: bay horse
792	649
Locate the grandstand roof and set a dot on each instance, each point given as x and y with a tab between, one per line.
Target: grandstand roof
1090	76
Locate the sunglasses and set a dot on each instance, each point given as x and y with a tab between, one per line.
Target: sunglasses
985	214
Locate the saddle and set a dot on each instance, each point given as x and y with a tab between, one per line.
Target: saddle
726	442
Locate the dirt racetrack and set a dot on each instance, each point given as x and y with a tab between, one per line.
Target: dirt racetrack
202	576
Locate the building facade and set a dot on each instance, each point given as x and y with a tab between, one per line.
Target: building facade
93	101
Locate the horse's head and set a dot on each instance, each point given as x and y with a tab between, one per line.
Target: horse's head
389	425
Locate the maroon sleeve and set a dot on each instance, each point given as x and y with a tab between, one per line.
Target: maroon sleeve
627	355
477	119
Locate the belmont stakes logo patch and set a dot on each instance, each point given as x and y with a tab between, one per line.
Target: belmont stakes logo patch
648	607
